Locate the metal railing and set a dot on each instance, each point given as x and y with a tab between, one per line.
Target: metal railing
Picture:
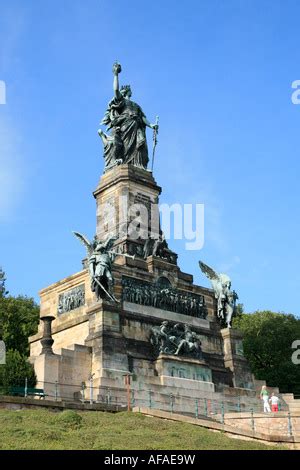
136	396
224	409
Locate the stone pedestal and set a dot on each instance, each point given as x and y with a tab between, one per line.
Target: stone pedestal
124	194
46	367
62	375
107	340
109	357
234	358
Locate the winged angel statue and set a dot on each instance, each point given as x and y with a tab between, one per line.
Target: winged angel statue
226	298
100	259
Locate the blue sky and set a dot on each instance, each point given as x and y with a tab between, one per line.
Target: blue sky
219	75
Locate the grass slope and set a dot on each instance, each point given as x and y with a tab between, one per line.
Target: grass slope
43	429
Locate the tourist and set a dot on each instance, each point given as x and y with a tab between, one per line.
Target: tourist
274	400
264	395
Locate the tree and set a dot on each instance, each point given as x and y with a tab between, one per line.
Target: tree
268	338
19	318
14	372
3	290
239	310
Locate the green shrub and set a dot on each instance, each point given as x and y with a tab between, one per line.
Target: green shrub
14	372
69	419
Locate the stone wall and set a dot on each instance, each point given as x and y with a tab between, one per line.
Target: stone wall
272	424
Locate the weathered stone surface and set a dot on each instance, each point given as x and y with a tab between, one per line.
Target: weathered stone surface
112	338
234	359
116	193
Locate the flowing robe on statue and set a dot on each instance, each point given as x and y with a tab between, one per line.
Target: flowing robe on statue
128	116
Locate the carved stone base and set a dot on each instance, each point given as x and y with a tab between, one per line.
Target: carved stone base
103	341
120	189
183	367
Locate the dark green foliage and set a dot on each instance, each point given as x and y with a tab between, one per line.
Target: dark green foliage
268	339
69	419
3	290
14	372
19	318
239	310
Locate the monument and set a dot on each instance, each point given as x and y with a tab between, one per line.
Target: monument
131	310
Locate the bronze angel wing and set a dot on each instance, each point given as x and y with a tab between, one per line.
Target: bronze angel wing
88	245
108	243
209	272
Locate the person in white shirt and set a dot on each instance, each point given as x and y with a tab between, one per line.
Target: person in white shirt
274	400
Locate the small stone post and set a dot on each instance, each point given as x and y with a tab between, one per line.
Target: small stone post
290	431
171	402
91	388
196	408
252	420
26	387
205	407
56	390
222	413
150	398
